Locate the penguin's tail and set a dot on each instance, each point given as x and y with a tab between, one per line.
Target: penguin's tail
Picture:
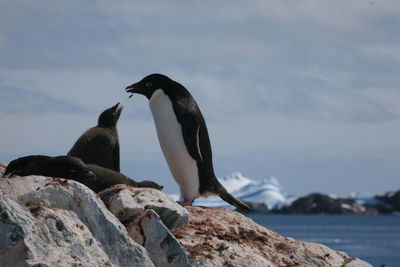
225	195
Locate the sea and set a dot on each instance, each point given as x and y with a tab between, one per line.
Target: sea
372	238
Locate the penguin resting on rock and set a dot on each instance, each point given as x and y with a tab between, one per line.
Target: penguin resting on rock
183	137
60	167
107	178
93	176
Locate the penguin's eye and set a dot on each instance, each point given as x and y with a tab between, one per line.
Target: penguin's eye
148	84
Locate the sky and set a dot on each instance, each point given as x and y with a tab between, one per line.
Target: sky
306	91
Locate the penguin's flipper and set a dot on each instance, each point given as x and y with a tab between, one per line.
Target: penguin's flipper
232	200
190	132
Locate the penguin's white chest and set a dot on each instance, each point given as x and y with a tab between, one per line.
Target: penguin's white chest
169	131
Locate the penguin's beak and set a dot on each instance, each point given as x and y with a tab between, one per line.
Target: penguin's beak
131	88
136	88
118	109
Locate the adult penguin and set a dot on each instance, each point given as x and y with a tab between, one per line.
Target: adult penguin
100	145
183	137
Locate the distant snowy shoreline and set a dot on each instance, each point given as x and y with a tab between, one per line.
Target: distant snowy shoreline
268	195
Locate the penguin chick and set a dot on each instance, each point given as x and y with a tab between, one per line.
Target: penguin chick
100	145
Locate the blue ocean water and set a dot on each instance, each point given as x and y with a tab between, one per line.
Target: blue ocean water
373	238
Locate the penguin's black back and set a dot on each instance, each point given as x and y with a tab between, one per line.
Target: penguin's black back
28	165
100	145
184	105
61	167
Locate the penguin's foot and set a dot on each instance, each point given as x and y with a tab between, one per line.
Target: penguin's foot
185	203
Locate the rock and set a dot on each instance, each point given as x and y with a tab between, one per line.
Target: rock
129	203
2	169
68	203
162	246
47	221
392	199
227	238
319	203
357	263
44	236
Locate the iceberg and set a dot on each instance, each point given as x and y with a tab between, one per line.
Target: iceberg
268	191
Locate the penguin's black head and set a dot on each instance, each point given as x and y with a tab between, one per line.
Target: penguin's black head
109	117
149	84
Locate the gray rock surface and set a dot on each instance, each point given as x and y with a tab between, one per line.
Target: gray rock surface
163	248
129	203
68	203
357	263
40	235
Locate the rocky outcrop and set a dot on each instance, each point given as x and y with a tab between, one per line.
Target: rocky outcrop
319	203
223	237
392	199
46	236
56	222
162	246
46	221
128	203
148	214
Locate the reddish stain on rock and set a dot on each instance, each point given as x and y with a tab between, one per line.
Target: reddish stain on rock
225	237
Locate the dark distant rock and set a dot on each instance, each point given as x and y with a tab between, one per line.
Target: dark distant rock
319	203
392	199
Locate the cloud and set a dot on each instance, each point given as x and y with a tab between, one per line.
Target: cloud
277	81
341	14
386	51
3	40
276	134
18	100
89	89
47	133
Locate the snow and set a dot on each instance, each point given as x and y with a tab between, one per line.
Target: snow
365	198
267	190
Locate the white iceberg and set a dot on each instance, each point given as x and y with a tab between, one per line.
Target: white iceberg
268	191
